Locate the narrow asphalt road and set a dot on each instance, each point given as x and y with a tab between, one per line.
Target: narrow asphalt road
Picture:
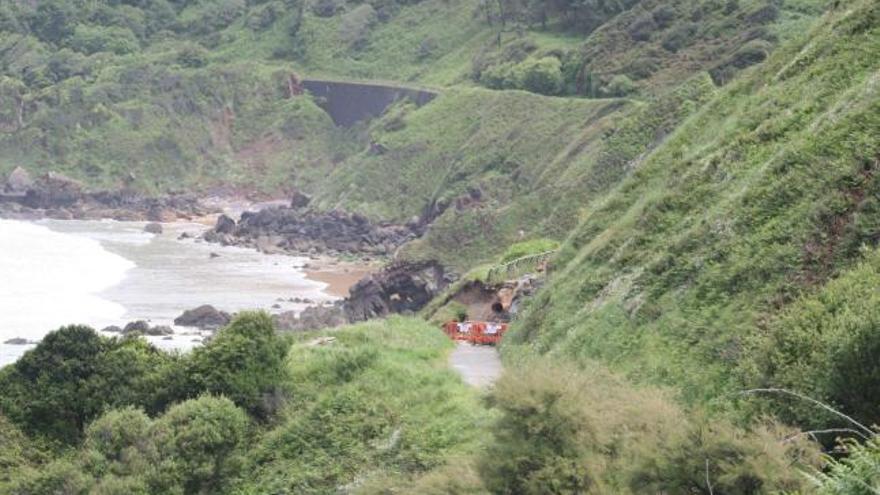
478	365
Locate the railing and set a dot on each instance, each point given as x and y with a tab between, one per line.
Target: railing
518	267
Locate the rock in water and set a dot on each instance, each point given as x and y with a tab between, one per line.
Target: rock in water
153	228
18	341
112	329
206	317
139	326
160	330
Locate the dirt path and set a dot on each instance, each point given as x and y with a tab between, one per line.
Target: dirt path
479	366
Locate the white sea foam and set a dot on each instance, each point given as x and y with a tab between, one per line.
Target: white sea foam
49	279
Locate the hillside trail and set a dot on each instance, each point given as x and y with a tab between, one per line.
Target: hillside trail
479	366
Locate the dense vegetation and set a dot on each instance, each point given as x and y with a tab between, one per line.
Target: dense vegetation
704	170
741	253
250	412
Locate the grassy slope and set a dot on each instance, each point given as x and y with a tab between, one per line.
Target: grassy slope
378	403
763	194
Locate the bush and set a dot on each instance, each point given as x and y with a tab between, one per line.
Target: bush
542	76
93	39
562	430
355	26
619	86
855	474
244	362
120	443
192	55
199	442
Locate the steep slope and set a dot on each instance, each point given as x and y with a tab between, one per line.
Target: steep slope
767	193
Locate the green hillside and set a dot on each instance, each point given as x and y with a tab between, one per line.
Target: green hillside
707	168
736	254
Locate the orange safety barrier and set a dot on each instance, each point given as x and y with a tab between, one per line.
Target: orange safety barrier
475	332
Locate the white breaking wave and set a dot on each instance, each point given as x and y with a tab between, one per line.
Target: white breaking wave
50	279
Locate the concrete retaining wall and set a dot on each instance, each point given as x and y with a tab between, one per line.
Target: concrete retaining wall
350	102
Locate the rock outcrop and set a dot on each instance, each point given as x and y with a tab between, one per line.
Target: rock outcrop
18	182
401	287
55	195
285	229
311	318
205	317
153	228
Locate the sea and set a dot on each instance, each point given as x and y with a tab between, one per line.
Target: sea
101	273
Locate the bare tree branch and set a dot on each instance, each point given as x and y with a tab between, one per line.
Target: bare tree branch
828	408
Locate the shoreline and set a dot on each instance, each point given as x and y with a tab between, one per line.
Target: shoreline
339	275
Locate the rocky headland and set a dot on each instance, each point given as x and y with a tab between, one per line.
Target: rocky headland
54	195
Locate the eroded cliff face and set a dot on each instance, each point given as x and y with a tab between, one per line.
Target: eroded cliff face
401	287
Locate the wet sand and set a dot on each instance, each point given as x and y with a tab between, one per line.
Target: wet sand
339	276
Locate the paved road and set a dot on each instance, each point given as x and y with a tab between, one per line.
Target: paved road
478	365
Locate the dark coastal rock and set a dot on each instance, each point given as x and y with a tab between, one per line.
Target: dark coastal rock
52	191
153	228
299	200
204	317
18	182
112	329
311	318
160	330
285	229
140	326
401	287
225	225
55	195
18	341
213	255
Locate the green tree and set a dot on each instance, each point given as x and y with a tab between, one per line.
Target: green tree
199	442
542	75
93	39
244	362
46	390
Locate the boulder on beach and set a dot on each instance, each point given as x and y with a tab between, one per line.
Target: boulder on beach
153	228
225	225
204	317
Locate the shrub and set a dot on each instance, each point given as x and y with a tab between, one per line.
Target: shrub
563	430
265	15
619	86
855	474
120	443
355	25
199	442
192	55
244	362
542	76
93	39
